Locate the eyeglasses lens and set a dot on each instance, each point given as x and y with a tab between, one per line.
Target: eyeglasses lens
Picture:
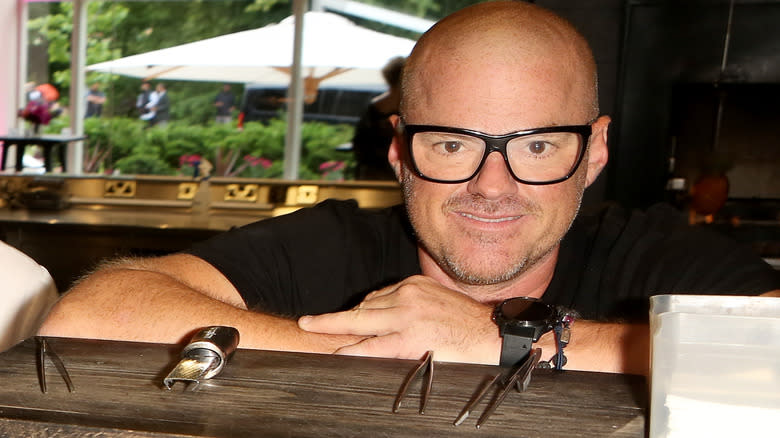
535	158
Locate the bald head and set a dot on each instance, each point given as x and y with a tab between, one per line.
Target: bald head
497	50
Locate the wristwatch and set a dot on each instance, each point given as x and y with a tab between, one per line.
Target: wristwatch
522	321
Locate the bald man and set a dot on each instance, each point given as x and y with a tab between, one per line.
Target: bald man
498	136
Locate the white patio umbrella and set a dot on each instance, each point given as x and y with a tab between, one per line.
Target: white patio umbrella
335	51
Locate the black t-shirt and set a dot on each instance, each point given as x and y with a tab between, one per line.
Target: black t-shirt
326	258
315	260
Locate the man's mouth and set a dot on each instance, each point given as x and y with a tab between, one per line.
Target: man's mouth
489	219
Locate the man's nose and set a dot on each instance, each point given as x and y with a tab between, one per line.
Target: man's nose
494	180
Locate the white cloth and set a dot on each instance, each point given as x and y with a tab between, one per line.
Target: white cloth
27	293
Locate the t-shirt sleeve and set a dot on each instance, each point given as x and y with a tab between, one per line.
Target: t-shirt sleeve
315	260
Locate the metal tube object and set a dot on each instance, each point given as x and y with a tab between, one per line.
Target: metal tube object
205	355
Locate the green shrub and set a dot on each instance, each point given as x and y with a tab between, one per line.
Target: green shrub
257	151
145	160
320	158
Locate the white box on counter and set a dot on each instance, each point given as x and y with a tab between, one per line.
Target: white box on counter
715	366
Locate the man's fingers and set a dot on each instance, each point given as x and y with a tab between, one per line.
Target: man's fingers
358	321
387	290
377	346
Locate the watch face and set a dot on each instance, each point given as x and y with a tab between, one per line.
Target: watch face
525	309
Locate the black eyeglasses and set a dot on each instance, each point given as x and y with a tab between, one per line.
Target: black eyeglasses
534	156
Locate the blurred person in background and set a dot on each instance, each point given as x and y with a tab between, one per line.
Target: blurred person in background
143	99
161	106
95	101
225	102
374	132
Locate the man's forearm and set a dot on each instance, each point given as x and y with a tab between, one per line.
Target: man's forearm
137	305
608	347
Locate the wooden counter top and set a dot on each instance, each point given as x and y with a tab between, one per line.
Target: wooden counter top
119	392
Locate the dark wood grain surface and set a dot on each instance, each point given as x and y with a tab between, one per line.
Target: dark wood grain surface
119	392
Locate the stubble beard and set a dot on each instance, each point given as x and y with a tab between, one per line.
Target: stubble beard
456	265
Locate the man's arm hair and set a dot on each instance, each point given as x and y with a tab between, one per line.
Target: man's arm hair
165	300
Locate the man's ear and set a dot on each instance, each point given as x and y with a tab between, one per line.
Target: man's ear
395	153
598	153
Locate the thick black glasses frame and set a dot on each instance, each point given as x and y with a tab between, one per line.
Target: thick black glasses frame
497	143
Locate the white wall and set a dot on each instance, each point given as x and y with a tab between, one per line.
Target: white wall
10	62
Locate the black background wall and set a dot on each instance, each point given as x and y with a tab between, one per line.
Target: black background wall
645	51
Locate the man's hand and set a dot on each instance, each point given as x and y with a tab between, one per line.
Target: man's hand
419	314
408	318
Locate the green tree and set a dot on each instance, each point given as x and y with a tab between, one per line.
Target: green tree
153	25
54	31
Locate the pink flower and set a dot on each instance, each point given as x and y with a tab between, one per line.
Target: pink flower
251	160
189	159
37	112
258	161
332	166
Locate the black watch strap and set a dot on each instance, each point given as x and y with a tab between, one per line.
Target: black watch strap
515	349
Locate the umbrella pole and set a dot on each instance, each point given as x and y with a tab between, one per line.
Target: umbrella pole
292	147
75	155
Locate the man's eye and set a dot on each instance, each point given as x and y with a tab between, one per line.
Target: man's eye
451	146
537	147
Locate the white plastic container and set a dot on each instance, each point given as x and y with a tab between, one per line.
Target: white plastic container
715	366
